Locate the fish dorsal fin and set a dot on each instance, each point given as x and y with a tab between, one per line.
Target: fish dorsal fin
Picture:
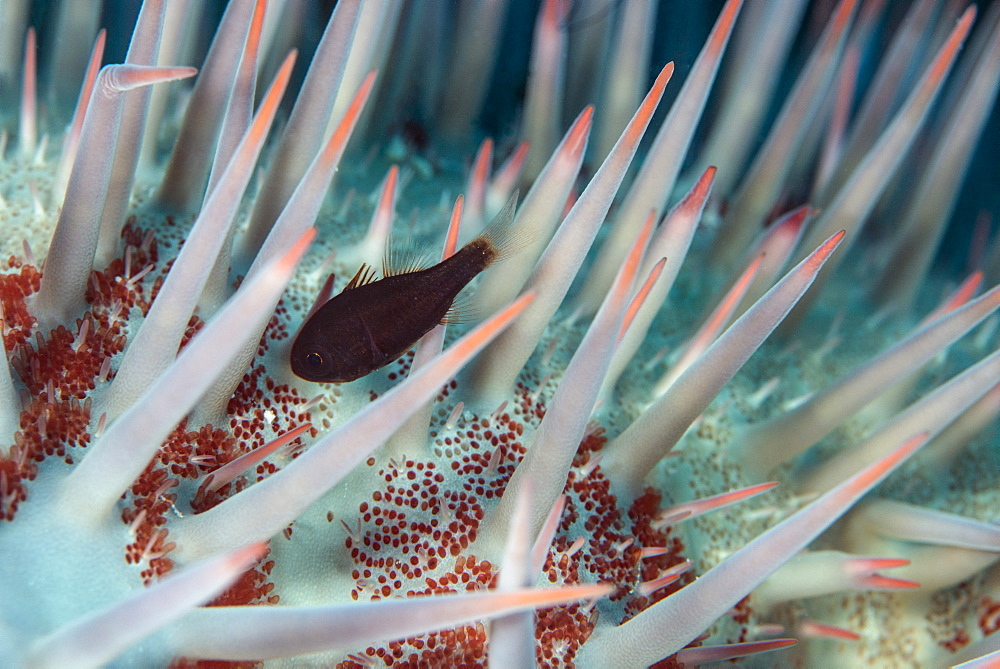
402	258
365	275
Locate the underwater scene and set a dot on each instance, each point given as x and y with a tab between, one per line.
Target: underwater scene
507	333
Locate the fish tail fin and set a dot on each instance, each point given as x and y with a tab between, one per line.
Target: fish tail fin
501	237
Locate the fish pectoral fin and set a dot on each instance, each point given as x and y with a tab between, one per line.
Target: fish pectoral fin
365	275
378	355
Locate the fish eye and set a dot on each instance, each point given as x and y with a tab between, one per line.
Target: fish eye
313	361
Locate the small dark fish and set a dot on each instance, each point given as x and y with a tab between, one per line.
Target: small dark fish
371	323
